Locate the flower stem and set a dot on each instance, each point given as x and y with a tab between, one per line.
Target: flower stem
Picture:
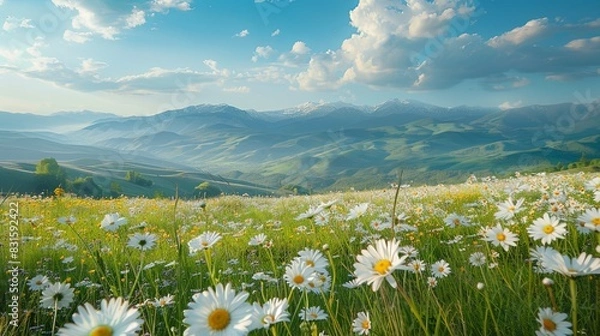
137	276
573	288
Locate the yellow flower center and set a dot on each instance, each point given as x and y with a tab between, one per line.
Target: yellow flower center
382	266
102	330
548	324
366	324
219	319
298	279
268	319
501	236
441	269
596	221
456	221
310	263
511	208
548	229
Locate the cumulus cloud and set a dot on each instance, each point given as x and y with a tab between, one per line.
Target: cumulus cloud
86	20
520	35
262	52
137	18
165	5
243	33
300	48
425	45
12	23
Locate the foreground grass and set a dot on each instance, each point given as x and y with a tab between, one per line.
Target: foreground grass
501	296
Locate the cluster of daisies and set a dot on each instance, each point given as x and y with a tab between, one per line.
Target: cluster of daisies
222	310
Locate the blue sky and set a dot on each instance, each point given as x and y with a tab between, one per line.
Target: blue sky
144	57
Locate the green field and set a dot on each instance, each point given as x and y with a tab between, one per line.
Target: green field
481	289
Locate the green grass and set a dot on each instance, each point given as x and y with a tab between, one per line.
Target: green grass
507	305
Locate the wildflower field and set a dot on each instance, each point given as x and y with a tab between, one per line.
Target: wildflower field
519	256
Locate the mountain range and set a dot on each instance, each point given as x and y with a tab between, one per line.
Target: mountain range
315	145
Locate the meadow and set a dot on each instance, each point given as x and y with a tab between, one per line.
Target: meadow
517	256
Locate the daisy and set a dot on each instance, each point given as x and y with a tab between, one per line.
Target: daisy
417	266
552	324
164	301
432	282
257	240
38	282
477	259
591	219
593	184
114	318
204	241
453	220
357	211
378	263
143	241
572	267
508	209
297	274
112	222
57	295
218	311
310	213
312	314
501	237
272	312
440	269
362	324
314	259
548	229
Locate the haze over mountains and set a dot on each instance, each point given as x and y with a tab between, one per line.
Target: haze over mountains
317	146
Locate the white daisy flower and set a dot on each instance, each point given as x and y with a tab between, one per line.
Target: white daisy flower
218	311
204	241
314	259
297	274
508	209
362	324
552	324
114	318
547	229
591	219
378	263
112	222
572	267
272	312
357	211
38	282
57	295
477	259
257	240
142	241
312	314
440	269
501	237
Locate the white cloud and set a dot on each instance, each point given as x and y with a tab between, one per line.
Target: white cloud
87	21
11	55
12	23
300	48
425	45
276	32
90	66
165	5
262	52
510	105
77	37
243	33
137	18
584	44
237	89
520	35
